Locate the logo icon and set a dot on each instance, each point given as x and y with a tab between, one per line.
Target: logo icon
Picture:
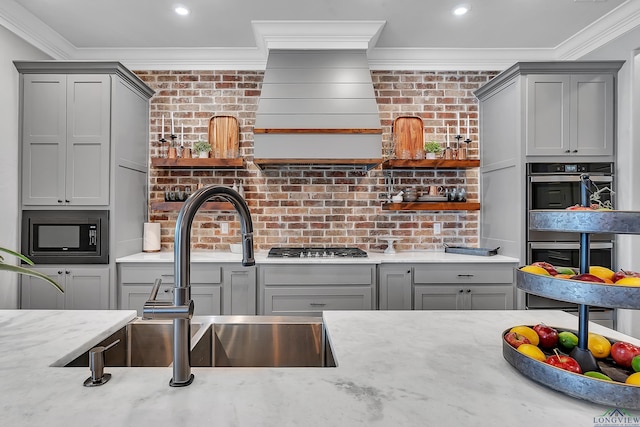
616	417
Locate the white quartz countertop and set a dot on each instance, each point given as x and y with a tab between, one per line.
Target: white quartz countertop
373	258
395	368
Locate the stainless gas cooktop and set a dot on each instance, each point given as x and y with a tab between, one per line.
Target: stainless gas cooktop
313	252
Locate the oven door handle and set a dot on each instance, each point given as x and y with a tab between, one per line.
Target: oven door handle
565	245
570	178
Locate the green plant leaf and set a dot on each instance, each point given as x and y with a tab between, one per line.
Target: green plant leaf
28	272
16	254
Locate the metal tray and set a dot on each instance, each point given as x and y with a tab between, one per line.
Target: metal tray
587	221
471	251
595	390
575	291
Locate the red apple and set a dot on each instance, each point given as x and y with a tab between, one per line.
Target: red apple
624	273
623	352
515	339
565	362
548	335
550	268
586	277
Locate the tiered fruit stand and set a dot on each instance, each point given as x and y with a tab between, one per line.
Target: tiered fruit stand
585	222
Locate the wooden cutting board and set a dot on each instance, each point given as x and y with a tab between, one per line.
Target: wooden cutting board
224	135
408	136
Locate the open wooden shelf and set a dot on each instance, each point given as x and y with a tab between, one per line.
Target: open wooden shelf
197	163
430	163
365	163
431	206
176	206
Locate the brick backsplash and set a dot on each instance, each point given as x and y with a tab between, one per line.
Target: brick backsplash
316	205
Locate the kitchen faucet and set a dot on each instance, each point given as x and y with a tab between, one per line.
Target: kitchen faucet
182	309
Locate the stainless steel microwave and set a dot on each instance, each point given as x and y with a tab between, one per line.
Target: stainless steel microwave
66	237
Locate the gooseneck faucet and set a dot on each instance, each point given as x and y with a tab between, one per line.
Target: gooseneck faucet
182	309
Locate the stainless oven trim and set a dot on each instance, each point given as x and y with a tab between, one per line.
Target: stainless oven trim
569	178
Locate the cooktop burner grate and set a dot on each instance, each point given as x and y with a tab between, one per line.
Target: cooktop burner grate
314	252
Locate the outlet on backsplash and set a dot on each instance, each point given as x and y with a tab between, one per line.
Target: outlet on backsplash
437	228
224	228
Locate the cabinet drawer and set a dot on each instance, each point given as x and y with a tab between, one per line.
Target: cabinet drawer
147	274
317	275
463	273
313	301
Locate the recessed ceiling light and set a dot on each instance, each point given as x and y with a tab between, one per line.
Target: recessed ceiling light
181	10
461	9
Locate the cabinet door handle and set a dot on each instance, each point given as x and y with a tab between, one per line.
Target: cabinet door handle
461	291
67	272
59	271
317	304
575	151
567	151
465	275
468	291
59	200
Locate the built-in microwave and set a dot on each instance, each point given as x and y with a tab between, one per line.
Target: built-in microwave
63	237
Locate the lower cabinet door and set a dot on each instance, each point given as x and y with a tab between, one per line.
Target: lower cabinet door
489	297
434	297
206	300
312	301
35	293
470	297
87	288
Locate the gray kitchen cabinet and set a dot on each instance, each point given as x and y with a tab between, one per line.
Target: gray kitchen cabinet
85	288
308	290
216	289
395	283
463	286
65	139
569	115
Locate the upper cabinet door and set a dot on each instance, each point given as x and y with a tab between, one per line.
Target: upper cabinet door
547	121
88	136
592	128
66	135
44	138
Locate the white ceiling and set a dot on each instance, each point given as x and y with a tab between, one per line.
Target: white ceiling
409	33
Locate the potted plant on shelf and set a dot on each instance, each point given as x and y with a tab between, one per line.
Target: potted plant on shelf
202	148
23	270
433	149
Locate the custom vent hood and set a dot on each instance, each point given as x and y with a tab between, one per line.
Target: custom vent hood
317	107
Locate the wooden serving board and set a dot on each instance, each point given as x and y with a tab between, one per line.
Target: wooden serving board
408	136
224	135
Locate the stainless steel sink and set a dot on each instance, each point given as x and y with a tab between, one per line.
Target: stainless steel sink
142	343
265	342
222	341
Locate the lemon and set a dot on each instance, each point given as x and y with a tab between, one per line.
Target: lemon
629	281
633	379
533	352
599	346
534	269
602	272
528	332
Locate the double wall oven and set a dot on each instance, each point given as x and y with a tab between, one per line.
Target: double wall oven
558	186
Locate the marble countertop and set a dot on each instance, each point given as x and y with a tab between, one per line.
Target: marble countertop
395	368
373	258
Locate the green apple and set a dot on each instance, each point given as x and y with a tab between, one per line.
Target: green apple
566	270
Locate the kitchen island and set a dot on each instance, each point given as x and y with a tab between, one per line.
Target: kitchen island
395	368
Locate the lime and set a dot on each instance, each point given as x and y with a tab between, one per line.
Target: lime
635	363
568	339
598	375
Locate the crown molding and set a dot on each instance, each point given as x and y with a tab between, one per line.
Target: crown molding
351	34
25	25
320	35
616	23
